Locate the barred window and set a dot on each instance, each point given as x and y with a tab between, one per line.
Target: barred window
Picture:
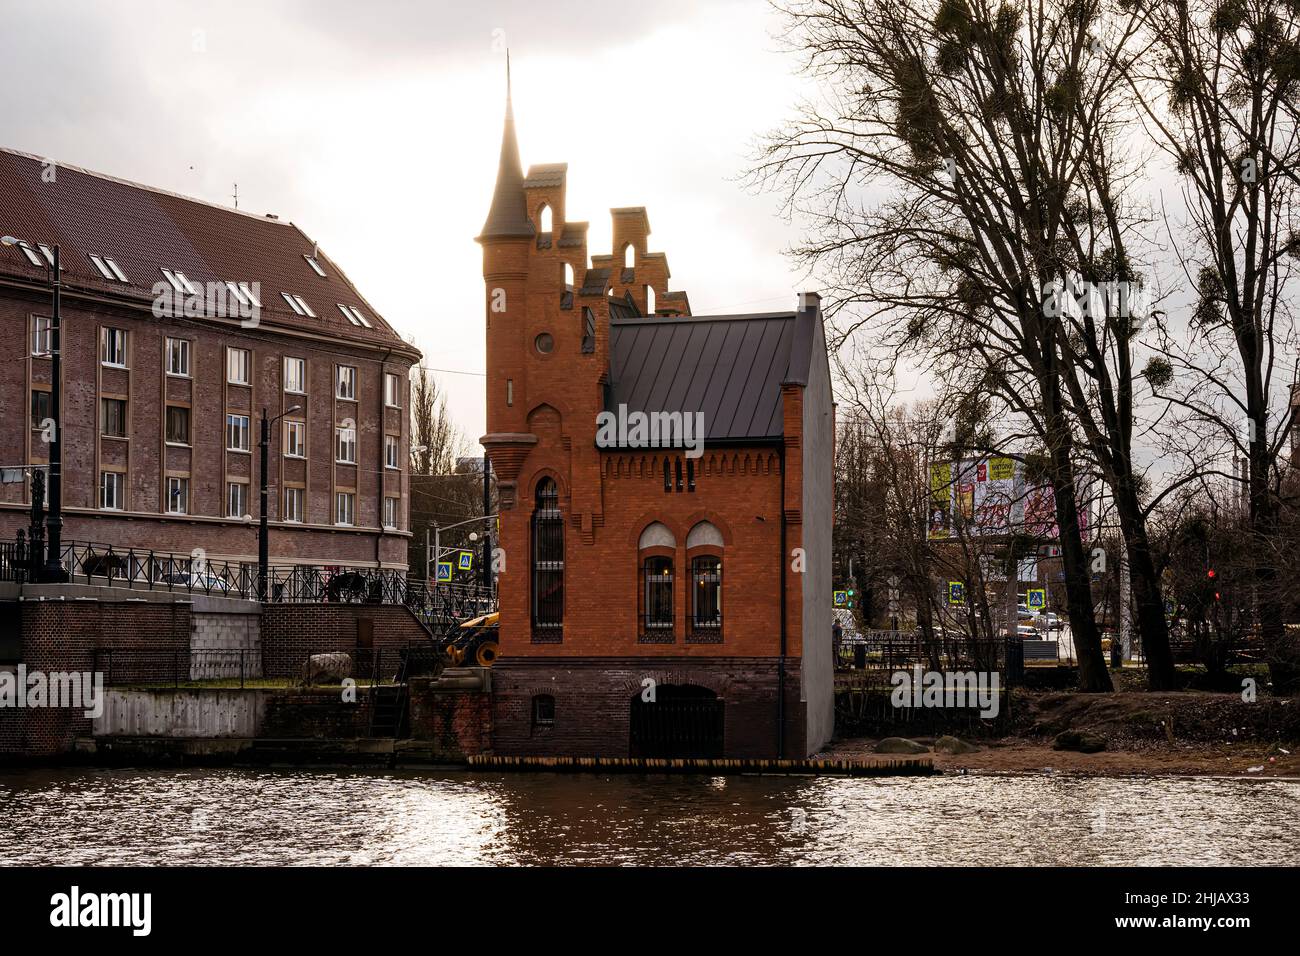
706	596
548	563
543	711
657	597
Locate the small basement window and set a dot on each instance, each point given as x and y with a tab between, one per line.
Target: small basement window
543	711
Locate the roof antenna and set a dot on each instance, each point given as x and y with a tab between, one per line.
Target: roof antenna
236	194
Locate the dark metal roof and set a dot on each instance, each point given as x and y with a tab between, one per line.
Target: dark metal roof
624	308
730	367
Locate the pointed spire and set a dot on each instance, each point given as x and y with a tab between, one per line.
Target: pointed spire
508	217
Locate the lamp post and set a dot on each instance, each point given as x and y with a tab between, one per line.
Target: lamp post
53	571
263	530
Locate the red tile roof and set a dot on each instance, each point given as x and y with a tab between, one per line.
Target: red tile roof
145	230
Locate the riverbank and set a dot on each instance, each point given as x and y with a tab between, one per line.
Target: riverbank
1143	732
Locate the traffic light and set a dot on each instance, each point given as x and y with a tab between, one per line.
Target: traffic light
1210	574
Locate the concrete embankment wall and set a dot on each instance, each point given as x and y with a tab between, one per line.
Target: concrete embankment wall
182	713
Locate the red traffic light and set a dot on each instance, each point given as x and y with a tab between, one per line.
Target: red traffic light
1210	573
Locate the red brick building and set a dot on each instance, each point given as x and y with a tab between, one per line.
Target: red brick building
181	322
655	600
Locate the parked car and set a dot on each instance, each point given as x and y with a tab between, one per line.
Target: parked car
196	581
1049	621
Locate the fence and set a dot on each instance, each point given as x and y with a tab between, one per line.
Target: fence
170	665
108	566
877	653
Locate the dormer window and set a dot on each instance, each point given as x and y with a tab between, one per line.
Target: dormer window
354	316
109	268
311	261
298	304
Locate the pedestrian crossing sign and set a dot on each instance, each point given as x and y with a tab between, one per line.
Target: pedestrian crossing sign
466	560
444	571
1036	599
956	592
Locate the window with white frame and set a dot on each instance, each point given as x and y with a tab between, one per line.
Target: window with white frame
298	304
315	266
110	491
345	507
42	336
295	439
236	499
178	357
180	282
237	433
354	315
178	496
345	451
109	268
392	451
295	375
392	390
112	347
345	382
390	512
237	366
293	505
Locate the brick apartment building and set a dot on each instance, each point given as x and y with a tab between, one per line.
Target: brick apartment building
629	569
161	403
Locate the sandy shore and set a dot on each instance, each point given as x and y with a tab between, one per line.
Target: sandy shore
1018	756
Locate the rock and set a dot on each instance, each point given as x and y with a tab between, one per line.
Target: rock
1084	743
900	745
326	668
953	745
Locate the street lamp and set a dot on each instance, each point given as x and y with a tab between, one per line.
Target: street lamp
263	531
53	571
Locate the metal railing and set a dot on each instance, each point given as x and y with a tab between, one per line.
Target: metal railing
437	605
172	665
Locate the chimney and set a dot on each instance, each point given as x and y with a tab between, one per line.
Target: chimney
810	300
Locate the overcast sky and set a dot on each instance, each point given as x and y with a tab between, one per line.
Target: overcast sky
375	126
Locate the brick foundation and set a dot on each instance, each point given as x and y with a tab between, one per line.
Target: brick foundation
593	703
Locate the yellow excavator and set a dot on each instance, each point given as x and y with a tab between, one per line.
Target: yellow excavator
475	642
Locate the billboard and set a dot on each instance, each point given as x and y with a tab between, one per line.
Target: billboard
989	497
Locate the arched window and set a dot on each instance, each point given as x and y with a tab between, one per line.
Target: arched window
568	275
704	547
656	548
629	256
548	565
706	594
544	219
649	300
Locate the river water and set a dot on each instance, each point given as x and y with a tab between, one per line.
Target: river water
77	816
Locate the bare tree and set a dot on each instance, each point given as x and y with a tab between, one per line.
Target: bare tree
989	130
436	441
1218	86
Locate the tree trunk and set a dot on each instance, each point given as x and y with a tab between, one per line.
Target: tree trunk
1093	674
1149	602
